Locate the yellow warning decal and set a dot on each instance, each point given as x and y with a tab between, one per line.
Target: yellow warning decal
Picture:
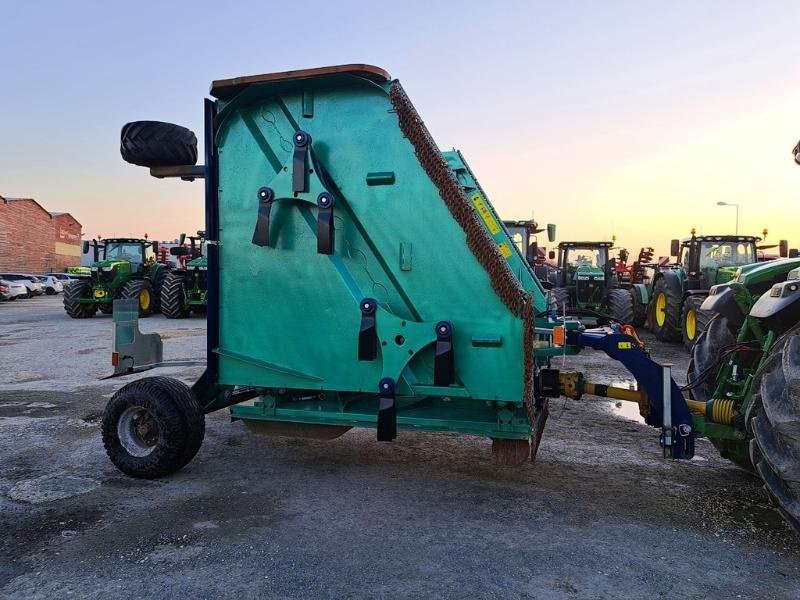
485	213
504	249
624	345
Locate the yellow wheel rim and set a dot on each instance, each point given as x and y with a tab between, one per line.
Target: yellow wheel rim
691	325
661	309
144	299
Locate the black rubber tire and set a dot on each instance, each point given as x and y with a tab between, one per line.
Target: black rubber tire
670	331
106	309
705	355
639	310
50	291
134	288
80	288
157	283
180	420
173	298
620	305
559	296
157	144
702	318
775	450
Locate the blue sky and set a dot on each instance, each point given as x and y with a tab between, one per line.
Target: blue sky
632	118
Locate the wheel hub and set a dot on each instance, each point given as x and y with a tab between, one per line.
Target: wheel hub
661	309
138	431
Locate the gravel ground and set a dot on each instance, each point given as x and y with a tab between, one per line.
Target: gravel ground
599	515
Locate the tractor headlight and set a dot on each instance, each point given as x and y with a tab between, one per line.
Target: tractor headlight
94	269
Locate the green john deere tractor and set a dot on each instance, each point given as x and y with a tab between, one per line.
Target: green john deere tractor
185	289
121	268
744	376
586	280
680	288
523	235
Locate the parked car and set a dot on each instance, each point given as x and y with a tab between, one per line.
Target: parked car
64	278
52	284
33	288
11	290
38	286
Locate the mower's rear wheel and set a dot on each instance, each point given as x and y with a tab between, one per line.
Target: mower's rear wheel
694	320
142	290
666	310
157	144
78	289
776	425
559	298
152	427
173	297
620	305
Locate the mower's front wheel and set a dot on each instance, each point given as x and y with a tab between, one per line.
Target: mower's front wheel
142	290
152	427
620	305
77	290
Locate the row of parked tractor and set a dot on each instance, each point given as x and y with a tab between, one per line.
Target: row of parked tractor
664	295
126	268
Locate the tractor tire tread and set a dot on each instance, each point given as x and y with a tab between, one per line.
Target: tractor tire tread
158	144
172	297
79	288
670	331
620	305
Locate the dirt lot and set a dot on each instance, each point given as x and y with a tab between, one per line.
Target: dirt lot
600	514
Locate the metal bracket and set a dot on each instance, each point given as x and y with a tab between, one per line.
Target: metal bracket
325	230
265	199
368	334
184	172
302	141
444	363
387	410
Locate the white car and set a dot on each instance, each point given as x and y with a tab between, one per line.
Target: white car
51	283
32	288
11	290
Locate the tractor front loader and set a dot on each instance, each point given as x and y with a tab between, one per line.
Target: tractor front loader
354	280
121	268
185	289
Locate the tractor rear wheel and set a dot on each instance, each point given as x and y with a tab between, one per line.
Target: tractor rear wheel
693	320
620	305
152	427
157	144
143	291
639	309
666	308
775	450
173	297
559	298
80	288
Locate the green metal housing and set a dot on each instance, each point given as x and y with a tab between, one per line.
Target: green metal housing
284	326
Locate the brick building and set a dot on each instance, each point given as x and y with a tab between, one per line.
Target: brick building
32	240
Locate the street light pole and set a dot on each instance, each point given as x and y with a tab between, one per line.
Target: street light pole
736	206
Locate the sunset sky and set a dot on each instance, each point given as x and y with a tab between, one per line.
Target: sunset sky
626	118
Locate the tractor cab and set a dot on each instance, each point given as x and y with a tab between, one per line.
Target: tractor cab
711	259
523	234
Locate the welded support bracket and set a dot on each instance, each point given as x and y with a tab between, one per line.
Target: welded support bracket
444	362
387	410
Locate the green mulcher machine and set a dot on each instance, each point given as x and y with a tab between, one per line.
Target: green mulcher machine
121	268
354	281
185	289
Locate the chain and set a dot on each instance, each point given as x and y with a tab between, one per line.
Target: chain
482	246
